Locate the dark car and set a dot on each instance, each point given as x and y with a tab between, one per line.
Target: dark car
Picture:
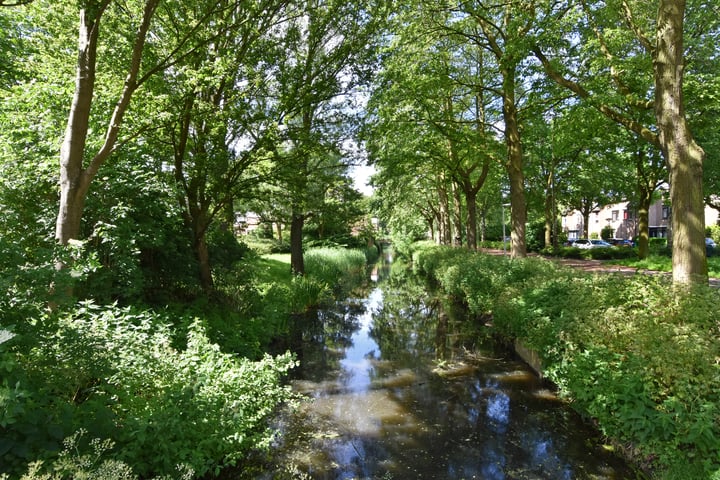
621	242
710	247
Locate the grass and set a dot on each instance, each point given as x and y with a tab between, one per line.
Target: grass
663	263
274	268
327	271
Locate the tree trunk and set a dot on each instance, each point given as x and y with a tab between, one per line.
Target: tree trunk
549	220
228	213
445	226
279	231
483	225
297	262
586	220
73	181
75	178
203	257
550	217
683	156
644	223
470	200
518	215
457	216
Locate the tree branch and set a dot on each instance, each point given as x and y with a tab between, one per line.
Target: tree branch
131	85
614	73
630	21
612	113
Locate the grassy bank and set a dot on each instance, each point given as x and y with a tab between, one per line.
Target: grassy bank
635	355
663	263
124	392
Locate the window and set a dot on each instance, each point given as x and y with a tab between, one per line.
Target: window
665	212
615	215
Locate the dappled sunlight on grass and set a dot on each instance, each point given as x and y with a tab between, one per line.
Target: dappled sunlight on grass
274	268
653	262
662	263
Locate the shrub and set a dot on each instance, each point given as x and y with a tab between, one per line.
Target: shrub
93	460
123	375
713	231
635	354
610	253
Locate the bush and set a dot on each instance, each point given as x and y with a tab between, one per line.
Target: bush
593	253
124	375
713	231
635	354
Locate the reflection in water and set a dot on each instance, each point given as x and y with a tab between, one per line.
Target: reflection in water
357	366
393	395
498	407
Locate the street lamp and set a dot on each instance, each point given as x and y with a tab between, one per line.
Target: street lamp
503	222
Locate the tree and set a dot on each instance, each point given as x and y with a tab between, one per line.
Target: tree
75	176
219	133
660	54
430	114
82	154
317	68
501	31
683	155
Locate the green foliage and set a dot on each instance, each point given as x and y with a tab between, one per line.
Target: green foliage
89	461
135	231
119	374
593	253
307	293
338	267
328	271
266	246
535	236
607	232
475	279
636	354
225	249
713	231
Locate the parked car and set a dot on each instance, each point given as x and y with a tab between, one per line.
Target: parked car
590	243
710	247
621	242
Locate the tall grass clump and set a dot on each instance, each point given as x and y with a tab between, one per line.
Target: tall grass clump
307	293
339	268
636	355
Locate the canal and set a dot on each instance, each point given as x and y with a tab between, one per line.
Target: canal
399	385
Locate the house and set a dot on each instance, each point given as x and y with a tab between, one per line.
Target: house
246	222
622	218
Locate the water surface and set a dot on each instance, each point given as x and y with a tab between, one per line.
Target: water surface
399	386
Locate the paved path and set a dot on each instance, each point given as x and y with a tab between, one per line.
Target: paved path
601	266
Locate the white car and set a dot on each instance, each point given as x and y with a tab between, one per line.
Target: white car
592	243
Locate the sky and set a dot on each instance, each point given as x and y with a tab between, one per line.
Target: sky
361	176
